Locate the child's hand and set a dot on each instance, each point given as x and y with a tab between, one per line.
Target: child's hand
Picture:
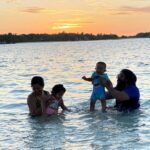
84	77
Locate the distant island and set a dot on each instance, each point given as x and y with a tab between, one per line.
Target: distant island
14	38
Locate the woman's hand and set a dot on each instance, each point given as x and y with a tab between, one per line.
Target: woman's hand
106	83
119	95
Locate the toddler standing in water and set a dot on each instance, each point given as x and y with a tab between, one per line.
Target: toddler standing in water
98	90
56	100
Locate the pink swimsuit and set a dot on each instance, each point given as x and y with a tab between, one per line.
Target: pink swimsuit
53	107
51	111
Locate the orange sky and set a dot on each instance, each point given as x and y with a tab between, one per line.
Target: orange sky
93	16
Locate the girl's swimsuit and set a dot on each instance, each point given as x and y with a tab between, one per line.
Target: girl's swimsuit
53	107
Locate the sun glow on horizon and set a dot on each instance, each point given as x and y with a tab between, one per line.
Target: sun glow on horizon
66	26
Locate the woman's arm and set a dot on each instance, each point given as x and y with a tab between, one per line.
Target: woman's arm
44	102
108	96
43	105
119	95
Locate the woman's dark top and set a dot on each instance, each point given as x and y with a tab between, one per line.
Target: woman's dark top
131	104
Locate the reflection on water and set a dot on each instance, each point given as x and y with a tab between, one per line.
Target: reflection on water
67	62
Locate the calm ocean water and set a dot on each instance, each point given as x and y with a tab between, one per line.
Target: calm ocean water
67	62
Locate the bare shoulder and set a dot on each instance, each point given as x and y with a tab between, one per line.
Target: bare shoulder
30	98
31	95
47	95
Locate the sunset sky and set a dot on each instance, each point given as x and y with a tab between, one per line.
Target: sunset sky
122	17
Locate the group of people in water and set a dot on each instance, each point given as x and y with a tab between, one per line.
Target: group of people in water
126	93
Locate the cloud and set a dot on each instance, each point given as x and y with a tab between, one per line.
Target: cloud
32	10
75	20
39	10
136	9
11	1
120	13
52	11
125	10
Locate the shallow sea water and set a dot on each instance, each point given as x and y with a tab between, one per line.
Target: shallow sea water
67	62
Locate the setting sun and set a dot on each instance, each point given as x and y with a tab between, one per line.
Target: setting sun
65	26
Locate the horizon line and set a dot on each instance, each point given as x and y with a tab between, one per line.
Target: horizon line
74	33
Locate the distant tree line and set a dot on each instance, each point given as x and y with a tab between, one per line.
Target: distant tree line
14	38
143	35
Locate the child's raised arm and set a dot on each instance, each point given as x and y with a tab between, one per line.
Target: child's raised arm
87	79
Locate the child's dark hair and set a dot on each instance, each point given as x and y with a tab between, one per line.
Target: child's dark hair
37	80
101	63
58	88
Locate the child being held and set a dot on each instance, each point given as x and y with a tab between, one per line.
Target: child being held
56	100
98	92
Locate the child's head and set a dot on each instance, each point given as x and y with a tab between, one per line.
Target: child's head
37	84
100	67
58	91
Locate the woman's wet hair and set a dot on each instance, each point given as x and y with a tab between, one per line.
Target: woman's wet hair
130	76
37	80
58	88
130	79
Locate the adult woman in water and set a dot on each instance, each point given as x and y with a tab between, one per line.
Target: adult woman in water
126	92
38	97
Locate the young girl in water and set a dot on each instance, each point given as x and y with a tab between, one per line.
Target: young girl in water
56	100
